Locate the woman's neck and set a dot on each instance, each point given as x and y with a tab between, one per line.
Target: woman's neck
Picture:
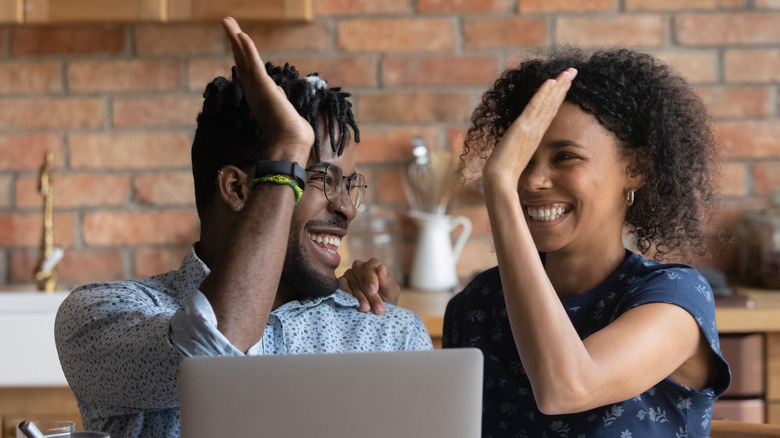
574	273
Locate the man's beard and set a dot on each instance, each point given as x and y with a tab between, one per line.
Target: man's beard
299	274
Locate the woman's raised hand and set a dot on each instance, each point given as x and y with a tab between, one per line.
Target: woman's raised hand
288	135
512	154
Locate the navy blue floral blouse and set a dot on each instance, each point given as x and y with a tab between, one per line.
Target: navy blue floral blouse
477	317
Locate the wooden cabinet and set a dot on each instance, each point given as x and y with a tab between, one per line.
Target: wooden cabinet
64	11
194	10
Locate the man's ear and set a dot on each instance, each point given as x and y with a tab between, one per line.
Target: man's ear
233	187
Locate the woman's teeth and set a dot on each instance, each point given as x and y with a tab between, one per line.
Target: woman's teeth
545	214
327	240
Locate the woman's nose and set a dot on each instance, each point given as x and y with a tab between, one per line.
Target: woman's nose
535	177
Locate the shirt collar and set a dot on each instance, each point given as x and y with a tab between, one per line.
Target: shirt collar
339	298
191	273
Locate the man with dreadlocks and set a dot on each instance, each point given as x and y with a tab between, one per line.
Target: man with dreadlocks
275	195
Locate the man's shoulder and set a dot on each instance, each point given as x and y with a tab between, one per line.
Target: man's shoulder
124	292
348	301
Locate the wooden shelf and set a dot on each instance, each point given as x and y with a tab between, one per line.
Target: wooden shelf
90	11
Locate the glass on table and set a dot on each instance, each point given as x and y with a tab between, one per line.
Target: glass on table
57	429
45	427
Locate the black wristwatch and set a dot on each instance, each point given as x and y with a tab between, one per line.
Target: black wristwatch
263	168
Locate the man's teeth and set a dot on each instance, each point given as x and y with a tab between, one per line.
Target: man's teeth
328	240
545	214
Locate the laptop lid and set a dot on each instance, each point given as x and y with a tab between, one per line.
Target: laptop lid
428	394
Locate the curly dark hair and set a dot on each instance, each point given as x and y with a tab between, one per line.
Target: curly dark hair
227	133
661	125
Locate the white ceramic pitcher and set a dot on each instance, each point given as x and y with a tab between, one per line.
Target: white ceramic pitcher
435	257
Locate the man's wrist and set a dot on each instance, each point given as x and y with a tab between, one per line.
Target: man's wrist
290	168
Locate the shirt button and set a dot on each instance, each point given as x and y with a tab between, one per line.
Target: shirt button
271	319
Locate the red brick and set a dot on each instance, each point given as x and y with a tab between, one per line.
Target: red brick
179	39
397	35
134	112
153	261
504	32
766	176
77	267
439	71
284	37
45	112
76	190
753	102
29	151
387	186
696	66
623	30
5	191
167	188
360	7
26	229
202	71
388	145
727	28
748	138
80	39
534	6
125	75
677	5
733	179
132	228
130	150
344	71
419	107
478	255
759	65
28	77
464	6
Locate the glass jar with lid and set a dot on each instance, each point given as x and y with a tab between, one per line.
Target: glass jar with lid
770	242
749	230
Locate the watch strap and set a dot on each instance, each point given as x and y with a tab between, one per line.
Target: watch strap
293	169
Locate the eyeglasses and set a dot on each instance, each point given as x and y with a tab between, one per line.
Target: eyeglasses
330	176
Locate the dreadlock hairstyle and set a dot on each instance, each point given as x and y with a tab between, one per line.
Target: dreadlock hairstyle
661	125
227	133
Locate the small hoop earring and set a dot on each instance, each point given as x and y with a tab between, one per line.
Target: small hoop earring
219	178
237	207
630	198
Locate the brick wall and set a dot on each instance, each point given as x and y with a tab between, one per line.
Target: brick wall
116	104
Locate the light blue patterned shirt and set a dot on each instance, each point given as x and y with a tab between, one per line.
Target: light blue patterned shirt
120	343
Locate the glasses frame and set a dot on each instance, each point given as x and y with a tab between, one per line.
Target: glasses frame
351	182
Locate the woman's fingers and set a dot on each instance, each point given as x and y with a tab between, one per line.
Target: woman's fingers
522	138
371	283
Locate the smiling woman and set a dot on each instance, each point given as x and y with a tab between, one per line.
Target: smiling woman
581	335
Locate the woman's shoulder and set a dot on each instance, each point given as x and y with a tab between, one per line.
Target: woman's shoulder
649	271
650	281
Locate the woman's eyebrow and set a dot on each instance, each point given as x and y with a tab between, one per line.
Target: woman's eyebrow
564	143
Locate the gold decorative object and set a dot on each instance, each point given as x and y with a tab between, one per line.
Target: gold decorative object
46	276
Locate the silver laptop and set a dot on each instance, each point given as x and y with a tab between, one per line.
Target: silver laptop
379	395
